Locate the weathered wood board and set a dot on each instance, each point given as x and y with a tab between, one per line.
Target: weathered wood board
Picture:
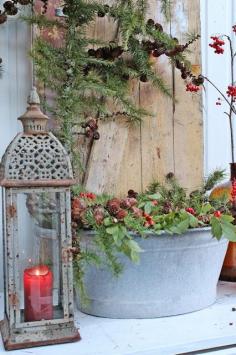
171	141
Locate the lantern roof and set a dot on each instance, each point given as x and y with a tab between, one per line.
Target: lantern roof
35	157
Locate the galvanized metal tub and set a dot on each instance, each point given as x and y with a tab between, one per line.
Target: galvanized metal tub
176	274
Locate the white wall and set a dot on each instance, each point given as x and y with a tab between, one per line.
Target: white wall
217	17
15	84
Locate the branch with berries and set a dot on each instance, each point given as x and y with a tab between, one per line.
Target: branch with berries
228	96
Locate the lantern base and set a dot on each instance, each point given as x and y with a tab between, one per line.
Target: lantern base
51	334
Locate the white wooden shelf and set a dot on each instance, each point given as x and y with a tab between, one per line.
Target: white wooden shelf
205	329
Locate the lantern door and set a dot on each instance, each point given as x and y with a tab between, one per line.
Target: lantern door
38	260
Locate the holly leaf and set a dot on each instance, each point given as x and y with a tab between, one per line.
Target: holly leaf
216	227
107	221
148	207
155	196
193	221
227	218
134	250
229	231
206	208
112	230
180	227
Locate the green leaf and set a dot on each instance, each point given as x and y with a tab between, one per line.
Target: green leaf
216	227
227	218
112	230
193	221
156	196
206	208
148	207
181	227
134	250
107	221
229	231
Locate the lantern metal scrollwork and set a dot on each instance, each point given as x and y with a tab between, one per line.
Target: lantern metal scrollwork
36	175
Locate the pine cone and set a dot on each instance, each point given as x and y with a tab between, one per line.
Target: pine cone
121	214
77	208
167	207
113	206
133	201
125	203
137	212
99	214
204	219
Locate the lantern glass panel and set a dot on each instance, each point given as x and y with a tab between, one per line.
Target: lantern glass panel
40	234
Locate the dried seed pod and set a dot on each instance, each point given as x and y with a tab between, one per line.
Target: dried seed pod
96	135
143	78
159	27
150	22
158	52
8	5
92	52
92	123
24	2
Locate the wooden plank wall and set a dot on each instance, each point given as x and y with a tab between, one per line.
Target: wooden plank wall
172	140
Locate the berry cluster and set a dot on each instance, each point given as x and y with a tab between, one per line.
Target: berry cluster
88	195
91	129
217	45
234	28
148	220
217	214
192	88
190	210
231	91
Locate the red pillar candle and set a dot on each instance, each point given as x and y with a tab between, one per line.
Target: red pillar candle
38	285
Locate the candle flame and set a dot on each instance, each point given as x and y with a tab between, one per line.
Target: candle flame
37	273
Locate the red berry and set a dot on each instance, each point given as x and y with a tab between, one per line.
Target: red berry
155	202
190	210
217	214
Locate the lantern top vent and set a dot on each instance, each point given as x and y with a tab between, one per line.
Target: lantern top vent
33	120
35	157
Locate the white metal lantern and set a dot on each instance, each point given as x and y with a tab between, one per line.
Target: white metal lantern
36	176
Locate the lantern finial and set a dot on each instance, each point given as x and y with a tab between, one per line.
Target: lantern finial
33	120
33	97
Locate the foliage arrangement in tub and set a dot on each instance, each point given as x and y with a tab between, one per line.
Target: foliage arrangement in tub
163	207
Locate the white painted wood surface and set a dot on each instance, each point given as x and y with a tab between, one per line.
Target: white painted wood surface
217	17
211	327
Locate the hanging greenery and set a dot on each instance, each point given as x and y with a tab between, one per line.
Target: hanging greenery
86	74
